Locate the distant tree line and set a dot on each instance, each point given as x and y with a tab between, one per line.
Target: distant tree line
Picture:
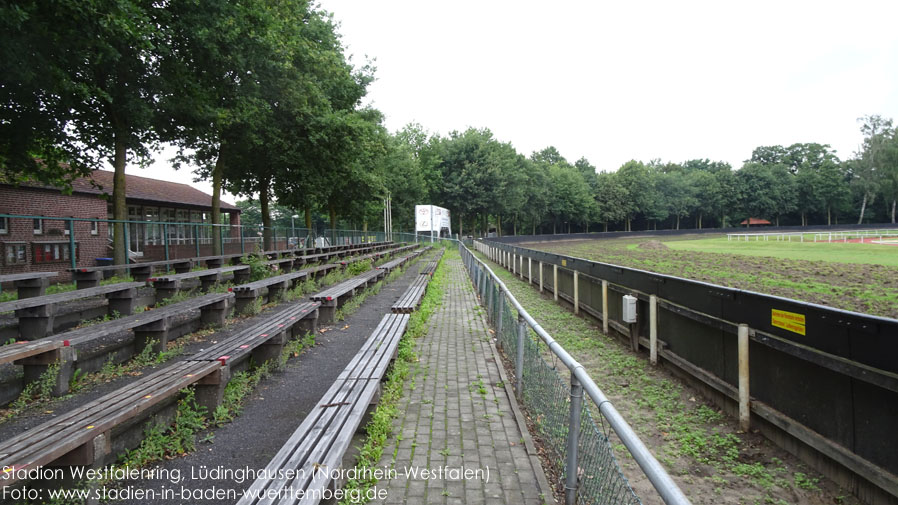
260	99
491	187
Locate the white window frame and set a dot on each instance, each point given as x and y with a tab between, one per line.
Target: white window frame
94	227
39	229
4	225
14	246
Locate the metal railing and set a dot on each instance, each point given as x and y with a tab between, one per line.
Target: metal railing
561	413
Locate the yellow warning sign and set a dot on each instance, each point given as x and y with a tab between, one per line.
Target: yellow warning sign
788	321
564	262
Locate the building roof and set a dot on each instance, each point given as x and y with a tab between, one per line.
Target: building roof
146	189
754	220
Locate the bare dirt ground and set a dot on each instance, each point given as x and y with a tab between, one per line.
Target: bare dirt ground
870	289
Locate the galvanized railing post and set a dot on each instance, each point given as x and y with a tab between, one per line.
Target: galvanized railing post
242	244
196	239
519	356
165	239
71	224
500	308
489	312
573	442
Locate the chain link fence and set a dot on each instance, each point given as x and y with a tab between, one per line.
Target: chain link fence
562	414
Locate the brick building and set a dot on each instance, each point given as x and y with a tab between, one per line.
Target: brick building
36	245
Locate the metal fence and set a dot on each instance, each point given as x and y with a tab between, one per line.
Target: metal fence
817	377
31	239
562	414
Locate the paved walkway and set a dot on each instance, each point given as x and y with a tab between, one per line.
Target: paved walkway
458	438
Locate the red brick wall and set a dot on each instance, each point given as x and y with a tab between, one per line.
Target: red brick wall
40	202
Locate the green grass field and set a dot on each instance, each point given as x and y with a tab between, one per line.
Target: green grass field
870	254
853	276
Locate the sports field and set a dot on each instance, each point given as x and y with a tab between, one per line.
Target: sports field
850	276
836	252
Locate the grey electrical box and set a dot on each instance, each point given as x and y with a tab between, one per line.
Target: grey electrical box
629	309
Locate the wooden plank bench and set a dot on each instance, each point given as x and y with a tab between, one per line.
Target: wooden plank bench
218	261
169	285
36	314
305	462
149	326
263	341
431	266
82	436
411	299
248	293
282	264
335	296
27	348
88	277
398	262
29	284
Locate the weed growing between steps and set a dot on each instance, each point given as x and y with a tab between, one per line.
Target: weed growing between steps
191	419
34	393
381	425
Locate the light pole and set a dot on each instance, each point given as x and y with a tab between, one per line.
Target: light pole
293	226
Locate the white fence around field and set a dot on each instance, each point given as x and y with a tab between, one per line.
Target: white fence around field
865	236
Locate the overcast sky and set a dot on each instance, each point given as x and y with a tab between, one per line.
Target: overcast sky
614	81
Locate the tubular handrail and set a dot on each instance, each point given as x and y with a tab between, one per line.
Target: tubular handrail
660	479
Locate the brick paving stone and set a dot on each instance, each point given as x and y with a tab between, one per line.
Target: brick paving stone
457	416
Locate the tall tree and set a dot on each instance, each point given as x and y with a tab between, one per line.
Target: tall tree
92	95
869	168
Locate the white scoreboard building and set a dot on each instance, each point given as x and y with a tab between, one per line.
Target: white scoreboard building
432	220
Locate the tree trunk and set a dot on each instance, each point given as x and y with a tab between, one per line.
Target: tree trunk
119	204
628	224
498	225
829	215
863	208
893	210
554	221
266	215
333	215
606	226
460	234
514	229
678	221
216	205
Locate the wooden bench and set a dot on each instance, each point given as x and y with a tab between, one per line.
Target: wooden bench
36	314
306	461
283	264
248	293
149	326
29	284
88	277
218	261
263	341
411	299
431	266
169	285
335	296
83	436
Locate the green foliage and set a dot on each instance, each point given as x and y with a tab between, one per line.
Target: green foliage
178	439
358	267
34	393
258	269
